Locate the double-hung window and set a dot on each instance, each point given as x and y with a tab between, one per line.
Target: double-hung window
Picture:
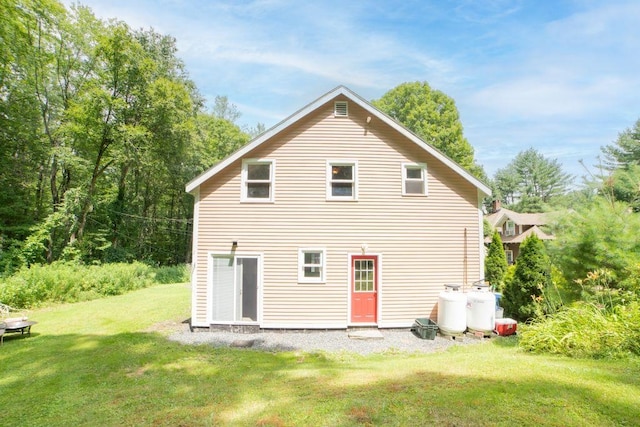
257	180
342	180
311	265
510	228
414	179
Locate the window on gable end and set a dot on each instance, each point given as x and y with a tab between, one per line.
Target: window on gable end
257	180
414	179
342	180
510	228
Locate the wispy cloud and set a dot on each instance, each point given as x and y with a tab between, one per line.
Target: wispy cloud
559	76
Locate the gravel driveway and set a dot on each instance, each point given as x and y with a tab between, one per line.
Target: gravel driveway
328	341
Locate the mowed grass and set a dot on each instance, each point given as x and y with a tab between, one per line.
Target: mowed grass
107	362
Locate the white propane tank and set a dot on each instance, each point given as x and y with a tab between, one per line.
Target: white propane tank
481	309
452	317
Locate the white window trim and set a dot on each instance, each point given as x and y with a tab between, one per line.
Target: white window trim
302	265
509	254
272	173
423	168
354	164
509	231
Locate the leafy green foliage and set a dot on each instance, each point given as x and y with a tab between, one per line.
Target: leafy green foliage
495	265
100	128
433	116
625	150
531	181
586	330
624	185
70	282
523	294
180	273
596	236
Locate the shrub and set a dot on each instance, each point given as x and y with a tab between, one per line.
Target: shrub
523	294
173	274
495	266
586	330
70	282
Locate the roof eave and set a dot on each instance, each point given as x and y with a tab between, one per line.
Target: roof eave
340	90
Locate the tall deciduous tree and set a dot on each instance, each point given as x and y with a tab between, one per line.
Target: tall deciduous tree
433	116
530	181
100	128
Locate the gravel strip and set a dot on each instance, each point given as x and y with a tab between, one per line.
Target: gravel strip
394	340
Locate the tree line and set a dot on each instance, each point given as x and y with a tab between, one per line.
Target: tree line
100	128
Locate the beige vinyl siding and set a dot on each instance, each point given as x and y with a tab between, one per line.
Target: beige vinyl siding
420	238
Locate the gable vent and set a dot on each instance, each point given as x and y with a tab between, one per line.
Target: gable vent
340	109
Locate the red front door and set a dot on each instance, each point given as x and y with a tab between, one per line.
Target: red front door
364	289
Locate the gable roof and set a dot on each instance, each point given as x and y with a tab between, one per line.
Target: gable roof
351	96
504	214
533	230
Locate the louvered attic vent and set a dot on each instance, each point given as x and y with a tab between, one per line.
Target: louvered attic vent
340	109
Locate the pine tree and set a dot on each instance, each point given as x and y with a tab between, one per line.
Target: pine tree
495	266
523	294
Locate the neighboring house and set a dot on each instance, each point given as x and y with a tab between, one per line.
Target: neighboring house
336	217
514	227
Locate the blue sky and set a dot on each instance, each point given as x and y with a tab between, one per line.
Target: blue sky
560	76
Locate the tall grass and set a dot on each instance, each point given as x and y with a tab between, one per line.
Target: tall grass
586	330
70	282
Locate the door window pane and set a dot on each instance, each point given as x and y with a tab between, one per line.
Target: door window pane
364	276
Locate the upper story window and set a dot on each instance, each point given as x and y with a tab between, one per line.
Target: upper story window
509	228
342	180
311	265
257	180
341	109
414	179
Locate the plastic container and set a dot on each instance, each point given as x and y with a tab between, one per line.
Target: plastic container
499	312
452	314
498	298
506	326
425	328
481	309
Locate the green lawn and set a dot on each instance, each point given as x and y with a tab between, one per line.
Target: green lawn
104	363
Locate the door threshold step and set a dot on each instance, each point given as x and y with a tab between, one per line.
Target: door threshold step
365	334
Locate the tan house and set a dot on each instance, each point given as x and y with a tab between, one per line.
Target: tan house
514	227
336	217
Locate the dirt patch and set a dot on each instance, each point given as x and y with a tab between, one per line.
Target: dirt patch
169	326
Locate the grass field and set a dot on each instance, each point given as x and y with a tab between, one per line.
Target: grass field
107	362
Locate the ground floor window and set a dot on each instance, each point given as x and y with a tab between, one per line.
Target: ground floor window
509	254
311	265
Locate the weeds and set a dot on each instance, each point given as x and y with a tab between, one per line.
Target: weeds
71	282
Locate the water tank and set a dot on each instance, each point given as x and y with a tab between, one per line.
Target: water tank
452	317
481	309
